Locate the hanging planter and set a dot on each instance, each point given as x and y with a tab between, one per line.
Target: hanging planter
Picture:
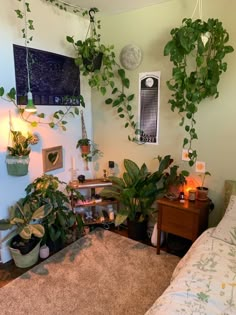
17	165
94	63
197	50
17	159
87	148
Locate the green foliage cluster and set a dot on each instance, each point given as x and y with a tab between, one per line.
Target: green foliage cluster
21	144
197	50
48	189
24	217
138	188
110	78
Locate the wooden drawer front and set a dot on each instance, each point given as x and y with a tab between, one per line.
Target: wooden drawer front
179	222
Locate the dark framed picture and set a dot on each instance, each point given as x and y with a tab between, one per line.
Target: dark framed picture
52	158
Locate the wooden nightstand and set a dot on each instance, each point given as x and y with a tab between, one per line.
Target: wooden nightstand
188	219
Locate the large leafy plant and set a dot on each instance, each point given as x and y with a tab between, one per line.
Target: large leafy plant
197	50
26	220
49	189
138	189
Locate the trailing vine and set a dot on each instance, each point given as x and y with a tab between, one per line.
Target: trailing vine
204	43
109	78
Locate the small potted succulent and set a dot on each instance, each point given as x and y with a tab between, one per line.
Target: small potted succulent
17	159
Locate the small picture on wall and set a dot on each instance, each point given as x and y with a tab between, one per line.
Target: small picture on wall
52	158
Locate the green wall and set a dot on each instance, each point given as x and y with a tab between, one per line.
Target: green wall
149	28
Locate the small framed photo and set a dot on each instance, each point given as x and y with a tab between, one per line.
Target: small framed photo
52	158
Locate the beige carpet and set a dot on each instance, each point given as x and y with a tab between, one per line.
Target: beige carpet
101	273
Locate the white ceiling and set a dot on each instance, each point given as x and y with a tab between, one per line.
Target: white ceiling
115	7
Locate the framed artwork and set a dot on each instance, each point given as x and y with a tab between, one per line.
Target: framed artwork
149	104
52	158
55	79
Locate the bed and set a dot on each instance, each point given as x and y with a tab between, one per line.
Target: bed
204	281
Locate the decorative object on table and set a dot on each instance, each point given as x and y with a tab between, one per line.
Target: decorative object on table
81	178
111	166
105	178
130	56
52	158
17	159
192	195
136	193
181	197
197	49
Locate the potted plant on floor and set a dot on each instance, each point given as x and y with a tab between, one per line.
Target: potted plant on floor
24	241
62	221
136	193
17	159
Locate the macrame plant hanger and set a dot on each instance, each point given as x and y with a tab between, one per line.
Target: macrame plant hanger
199	6
84	136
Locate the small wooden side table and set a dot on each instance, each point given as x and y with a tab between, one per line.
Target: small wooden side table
188	219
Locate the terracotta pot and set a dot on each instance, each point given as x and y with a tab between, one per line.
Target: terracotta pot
202	193
85	149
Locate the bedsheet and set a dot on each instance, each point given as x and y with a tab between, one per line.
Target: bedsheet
203	282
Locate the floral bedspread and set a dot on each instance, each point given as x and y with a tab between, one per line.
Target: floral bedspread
204	281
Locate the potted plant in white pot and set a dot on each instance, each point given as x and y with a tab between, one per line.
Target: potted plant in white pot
17	158
24	239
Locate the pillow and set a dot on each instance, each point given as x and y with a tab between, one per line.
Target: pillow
226	229
231	208
230	189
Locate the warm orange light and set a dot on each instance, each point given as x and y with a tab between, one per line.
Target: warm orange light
191	185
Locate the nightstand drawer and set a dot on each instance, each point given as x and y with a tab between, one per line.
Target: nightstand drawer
188	219
179	222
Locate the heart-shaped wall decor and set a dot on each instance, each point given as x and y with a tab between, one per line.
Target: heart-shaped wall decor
53	157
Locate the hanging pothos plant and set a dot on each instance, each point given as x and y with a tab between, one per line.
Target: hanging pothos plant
197	50
58	118
109	76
